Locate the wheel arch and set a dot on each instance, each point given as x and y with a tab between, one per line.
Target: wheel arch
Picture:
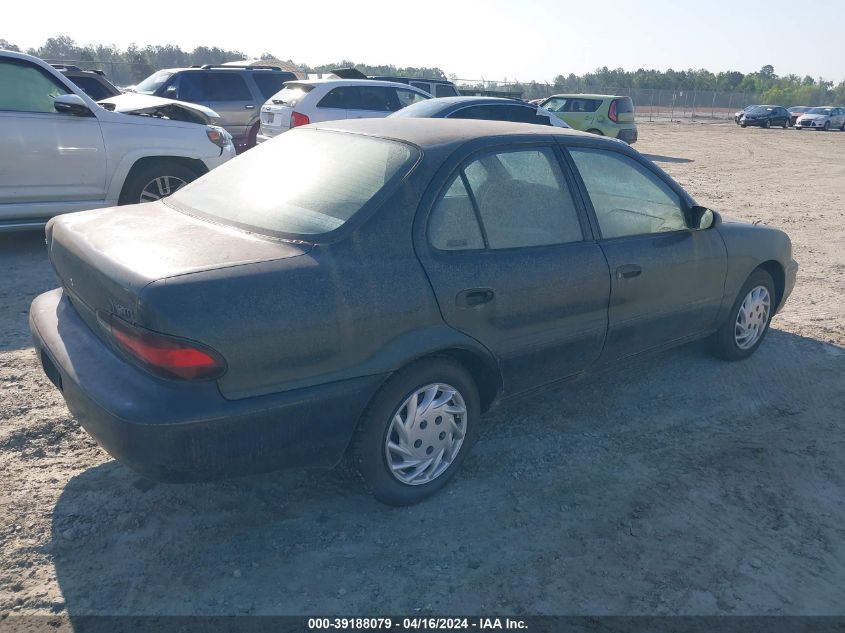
194	164
778	275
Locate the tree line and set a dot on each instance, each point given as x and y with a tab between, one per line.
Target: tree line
129	66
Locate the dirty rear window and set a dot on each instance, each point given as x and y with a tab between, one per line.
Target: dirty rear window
304	182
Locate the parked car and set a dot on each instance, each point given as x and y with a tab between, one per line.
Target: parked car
484	108
317	100
738	114
369	288
605	115
61	151
433	87
92	82
765	116
822	119
795	112
235	93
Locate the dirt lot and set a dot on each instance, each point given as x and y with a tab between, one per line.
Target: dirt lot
683	485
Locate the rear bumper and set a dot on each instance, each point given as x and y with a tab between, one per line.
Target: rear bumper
172	431
629	135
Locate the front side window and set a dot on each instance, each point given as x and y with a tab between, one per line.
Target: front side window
497	112
301	184
340	97
26	88
188	87
373	98
627	197
409	97
522	200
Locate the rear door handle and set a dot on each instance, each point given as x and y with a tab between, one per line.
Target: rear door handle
474	297
628	271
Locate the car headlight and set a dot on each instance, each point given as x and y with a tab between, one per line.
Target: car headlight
218	136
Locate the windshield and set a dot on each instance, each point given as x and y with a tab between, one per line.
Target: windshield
760	110
305	182
819	111
421	109
798	109
153	82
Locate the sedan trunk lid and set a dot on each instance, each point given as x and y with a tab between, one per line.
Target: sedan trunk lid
105	258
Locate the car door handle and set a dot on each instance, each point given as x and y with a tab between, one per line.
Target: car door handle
474	297
628	271
249	107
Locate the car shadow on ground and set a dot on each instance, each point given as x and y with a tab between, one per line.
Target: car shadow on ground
678	485
657	158
25	273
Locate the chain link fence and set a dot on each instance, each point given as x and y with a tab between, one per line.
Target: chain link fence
651	104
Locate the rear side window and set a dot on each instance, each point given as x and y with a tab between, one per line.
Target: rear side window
227	87
572	104
303	183
269	83
92	87
454	226
521	198
444	90
337	98
27	88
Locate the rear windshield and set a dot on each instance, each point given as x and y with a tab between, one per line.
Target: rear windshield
291	94
305	182
624	105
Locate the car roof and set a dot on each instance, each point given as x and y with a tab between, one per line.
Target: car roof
403	79
435	132
350	82
588	96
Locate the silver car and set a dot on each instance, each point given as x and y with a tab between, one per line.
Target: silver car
822	119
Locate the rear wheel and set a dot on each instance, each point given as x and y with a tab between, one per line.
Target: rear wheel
595	131
749	319
417	431
154	181
252	137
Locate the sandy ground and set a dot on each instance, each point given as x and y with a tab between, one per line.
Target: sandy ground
683	485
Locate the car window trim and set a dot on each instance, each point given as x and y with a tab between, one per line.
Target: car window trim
587	235
686	201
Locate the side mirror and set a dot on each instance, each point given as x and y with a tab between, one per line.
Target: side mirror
703	218
72	104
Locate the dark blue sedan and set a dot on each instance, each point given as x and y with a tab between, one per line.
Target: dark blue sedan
481	108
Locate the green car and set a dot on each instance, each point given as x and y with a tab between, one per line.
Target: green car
605	115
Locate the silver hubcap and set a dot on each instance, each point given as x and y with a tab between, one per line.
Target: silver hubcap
161	187
752	317
426	434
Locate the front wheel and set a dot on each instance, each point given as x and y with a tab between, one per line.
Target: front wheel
749	319
766	124
826	126
155	181
786	124
417	431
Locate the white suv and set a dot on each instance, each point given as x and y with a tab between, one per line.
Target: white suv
61	151
304	102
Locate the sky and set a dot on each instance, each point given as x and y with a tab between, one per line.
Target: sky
497	39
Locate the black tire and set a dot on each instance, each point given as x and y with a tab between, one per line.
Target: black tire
252	137
595	131
142	176
723	343
826	126
842	127
766	124
786	124
743	125
367	454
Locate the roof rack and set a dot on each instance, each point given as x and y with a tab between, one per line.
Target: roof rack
209	66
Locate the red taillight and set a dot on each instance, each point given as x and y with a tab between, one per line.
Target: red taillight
165	355
611	113
297	119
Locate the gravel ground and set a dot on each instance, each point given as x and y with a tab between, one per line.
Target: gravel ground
680	485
